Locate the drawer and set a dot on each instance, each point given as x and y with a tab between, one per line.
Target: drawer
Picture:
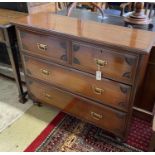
47	94
44	46
97	114
2	39
114	65
105	91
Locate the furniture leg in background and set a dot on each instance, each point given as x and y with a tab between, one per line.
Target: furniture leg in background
152	143
9	40
8	37
15	65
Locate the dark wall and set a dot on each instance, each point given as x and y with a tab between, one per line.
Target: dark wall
4	58
17	6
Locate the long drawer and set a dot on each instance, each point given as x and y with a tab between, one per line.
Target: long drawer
104	117
115	65
105	91
44	46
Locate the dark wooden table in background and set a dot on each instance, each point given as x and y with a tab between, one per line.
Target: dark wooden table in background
95	16
8	38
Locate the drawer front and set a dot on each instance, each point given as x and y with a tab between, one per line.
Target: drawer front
44	46
1	35
104	91
99	115
113	65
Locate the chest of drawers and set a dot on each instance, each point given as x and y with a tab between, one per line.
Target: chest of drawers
61	55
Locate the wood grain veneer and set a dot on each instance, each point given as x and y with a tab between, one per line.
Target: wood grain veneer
7	15
96	113
79	83
120	66
102	33
44	46
70	51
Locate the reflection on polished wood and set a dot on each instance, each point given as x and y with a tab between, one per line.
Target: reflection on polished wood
146	101
103	33
7	15
85	85
96	114
31	43
35	7
117	66
61	56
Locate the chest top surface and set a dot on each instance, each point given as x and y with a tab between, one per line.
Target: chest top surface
99	32
7	15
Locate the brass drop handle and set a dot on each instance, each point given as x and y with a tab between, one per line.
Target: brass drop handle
45	71
97	90
42	47
47	95
100	62
95	115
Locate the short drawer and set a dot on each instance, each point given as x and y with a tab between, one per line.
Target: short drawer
44	46
101	116
2	39
114	65
105	91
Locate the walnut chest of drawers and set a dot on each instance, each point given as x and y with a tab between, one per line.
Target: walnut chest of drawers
61	55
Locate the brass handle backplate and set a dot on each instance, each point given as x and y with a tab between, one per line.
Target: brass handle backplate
101	63
96	116
97	90
42	47
45	72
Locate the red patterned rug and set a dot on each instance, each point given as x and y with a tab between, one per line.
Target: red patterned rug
66	133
